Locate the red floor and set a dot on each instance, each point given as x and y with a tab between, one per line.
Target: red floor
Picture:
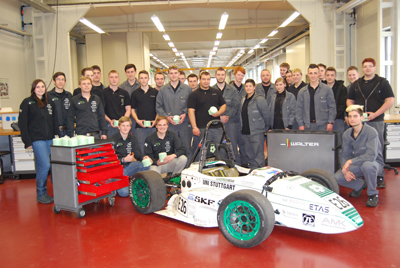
33	236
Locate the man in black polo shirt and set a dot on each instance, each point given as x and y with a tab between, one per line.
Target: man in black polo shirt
87	112
96	90
376	95
61	99
199	103
143	104
117	103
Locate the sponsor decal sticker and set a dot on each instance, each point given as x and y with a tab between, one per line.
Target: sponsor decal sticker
309	220
318	208
289	143
334	223
221	185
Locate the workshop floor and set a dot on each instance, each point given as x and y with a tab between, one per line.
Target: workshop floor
32	235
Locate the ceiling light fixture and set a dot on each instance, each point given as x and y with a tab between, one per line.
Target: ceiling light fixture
177	54
91	25
274	32
256	46
215	48
264	40
219	35
158	23
166	37
217	43
290	19
251	51
174	50
224	19
171	44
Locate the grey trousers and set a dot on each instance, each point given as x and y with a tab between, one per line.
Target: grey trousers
380	128
254	144
339	125
141	134
242	150
369	170
182	131
175	166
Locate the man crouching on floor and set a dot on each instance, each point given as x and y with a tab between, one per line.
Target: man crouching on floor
361	156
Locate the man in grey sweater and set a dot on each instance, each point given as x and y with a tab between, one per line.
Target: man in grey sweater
172	102
360	157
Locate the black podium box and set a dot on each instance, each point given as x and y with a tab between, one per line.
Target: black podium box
302	150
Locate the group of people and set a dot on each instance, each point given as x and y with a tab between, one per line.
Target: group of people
171	118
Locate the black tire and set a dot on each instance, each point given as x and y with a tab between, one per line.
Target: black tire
56	209
236	229
81	213
147	191
322	177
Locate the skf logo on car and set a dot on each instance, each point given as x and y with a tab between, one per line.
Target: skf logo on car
309	220
290	143
203	200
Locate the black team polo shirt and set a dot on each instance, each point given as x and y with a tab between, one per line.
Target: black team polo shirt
202	100
145	104
115	102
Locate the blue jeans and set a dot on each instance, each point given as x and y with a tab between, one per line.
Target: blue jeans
42	154
129	170
141	135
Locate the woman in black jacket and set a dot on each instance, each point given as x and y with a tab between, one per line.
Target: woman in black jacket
38	126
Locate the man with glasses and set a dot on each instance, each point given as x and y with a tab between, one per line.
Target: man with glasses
376	95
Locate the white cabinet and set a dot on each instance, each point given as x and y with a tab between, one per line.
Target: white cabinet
393	137
24	160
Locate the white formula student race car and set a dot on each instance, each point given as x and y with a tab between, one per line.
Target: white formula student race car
245	204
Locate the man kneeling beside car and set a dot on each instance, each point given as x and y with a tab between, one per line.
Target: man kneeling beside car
361	157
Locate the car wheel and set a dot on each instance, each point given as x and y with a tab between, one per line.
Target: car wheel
322	177
246	218
147	191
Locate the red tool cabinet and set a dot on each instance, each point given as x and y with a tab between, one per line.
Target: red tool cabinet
85	174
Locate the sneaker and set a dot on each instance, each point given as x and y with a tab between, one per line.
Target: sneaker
49	197
372	201
380	183
357	193
43	199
